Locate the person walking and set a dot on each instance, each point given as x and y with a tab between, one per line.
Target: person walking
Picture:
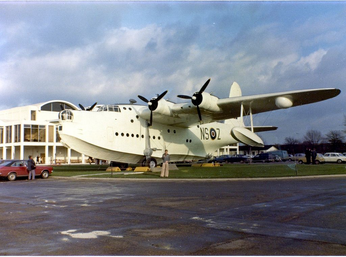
165	165
31	168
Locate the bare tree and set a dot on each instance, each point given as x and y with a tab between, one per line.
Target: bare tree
313	137
291	141
335	138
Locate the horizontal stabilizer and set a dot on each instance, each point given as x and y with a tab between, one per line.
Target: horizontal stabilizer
262	128
246	137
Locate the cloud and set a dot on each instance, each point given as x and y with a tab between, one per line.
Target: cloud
107	52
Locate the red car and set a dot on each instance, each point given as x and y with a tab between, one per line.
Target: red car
11	169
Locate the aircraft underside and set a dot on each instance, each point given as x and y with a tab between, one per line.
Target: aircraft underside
117	156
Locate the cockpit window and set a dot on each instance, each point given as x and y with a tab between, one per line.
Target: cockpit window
66	115
109	108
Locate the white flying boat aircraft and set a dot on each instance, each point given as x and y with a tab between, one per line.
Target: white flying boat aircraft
131	133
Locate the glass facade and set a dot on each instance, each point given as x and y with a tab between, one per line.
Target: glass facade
34	133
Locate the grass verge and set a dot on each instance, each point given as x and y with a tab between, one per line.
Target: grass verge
225	171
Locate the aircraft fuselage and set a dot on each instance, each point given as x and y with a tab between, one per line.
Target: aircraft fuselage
121	135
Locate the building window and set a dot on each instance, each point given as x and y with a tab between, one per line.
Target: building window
50	133
8	134
56	107
57	139
33	115
41	133
17	133
66	115
34	133
27	133
1	135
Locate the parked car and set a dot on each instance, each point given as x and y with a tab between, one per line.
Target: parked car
220	159
266	157
11	169
300	158
231	158
282	154
297	156
334	157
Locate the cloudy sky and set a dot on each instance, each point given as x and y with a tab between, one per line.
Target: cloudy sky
110	52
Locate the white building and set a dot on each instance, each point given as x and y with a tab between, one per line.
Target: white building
28	130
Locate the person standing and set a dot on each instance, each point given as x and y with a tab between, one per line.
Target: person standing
165	165
308	155
313	155
31	168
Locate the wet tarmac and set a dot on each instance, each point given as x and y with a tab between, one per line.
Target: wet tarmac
57	216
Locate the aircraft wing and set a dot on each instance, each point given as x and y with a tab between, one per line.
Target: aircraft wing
269	102
215	109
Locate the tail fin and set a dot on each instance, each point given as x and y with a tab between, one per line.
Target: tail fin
235	90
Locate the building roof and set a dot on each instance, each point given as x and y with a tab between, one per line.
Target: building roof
56	105
35	112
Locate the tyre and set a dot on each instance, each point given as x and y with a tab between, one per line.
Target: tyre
12	176
339	161
152	163
45	174
300	162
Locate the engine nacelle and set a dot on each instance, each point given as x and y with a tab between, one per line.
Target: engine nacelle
163	107
209	102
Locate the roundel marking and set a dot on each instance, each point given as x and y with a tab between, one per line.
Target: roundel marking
213	134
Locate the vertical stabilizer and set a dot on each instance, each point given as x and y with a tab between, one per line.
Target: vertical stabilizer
235	90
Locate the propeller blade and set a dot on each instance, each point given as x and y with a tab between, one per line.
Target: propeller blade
199	113
204	86
185	96
151	118
82	107
161	96
92	107
143	98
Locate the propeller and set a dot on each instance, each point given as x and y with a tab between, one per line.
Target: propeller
152	104
197	98
89	108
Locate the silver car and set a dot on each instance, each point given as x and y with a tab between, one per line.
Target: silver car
334	157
